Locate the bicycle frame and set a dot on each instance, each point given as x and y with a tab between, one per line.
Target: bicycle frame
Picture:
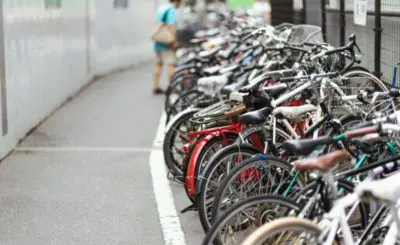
336	220
336	217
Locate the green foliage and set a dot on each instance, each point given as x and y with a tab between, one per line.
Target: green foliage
236	4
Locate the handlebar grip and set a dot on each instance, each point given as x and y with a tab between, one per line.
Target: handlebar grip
362	125
394	92
287	79
361	132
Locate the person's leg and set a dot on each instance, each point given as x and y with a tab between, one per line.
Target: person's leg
171	61
157	72
171	71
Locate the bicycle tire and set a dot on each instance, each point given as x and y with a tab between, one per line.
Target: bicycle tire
212	235
200	166
260	235
174	87
173	110
238	171
194	166
378	84
213	166
204	189
171	161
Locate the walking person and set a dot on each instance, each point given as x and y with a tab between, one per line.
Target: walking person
262	8
165	53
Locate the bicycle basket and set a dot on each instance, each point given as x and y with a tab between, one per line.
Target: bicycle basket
305	33
351	86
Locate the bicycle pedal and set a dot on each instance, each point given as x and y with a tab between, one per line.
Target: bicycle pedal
190	208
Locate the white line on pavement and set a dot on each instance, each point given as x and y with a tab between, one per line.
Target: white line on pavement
71	149
169	220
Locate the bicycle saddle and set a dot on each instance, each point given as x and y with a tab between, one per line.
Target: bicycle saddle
212	81
275	90
306	146
293	112
225	54
234	87
255	117
198	40
387	190
322	163
208	53
254	85
211	85
229	69
209	71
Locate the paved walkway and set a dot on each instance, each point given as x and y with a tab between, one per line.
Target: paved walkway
82	177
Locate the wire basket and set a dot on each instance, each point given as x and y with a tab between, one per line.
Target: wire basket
213	113
305	33
339	109
352	86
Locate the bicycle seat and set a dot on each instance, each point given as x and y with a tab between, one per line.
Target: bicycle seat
293	112
254	85
255	117
322	163
229	69
306	146
275	90
387	190
209	71
225	54
213	84
208	53
198	40
234	87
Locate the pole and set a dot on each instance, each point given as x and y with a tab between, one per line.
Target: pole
342	38
323	19
378	37
342	23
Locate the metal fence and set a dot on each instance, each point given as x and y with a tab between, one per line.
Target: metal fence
379	39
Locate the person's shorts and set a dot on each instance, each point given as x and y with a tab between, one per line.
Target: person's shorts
166	57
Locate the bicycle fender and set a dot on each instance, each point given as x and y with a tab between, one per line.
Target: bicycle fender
195	156
190	182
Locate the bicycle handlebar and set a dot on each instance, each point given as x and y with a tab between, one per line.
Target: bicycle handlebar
348	48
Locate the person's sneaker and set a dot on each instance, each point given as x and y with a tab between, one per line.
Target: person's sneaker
158	91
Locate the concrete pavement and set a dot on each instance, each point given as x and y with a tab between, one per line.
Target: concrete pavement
82	176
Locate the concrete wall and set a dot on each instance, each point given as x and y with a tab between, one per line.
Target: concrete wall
50	53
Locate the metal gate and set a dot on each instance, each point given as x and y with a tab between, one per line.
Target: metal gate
282	11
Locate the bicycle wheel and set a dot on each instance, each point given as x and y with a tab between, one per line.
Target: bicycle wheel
214	173
221	166
234	225
256	176
357	80
203	151
289	230
177	87
262	138
174	140
184	101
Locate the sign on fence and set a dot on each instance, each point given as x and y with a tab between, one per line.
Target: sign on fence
360	12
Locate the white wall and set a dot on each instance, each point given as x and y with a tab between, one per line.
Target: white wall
119	36
51	53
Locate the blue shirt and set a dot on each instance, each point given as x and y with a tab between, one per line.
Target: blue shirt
170	19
